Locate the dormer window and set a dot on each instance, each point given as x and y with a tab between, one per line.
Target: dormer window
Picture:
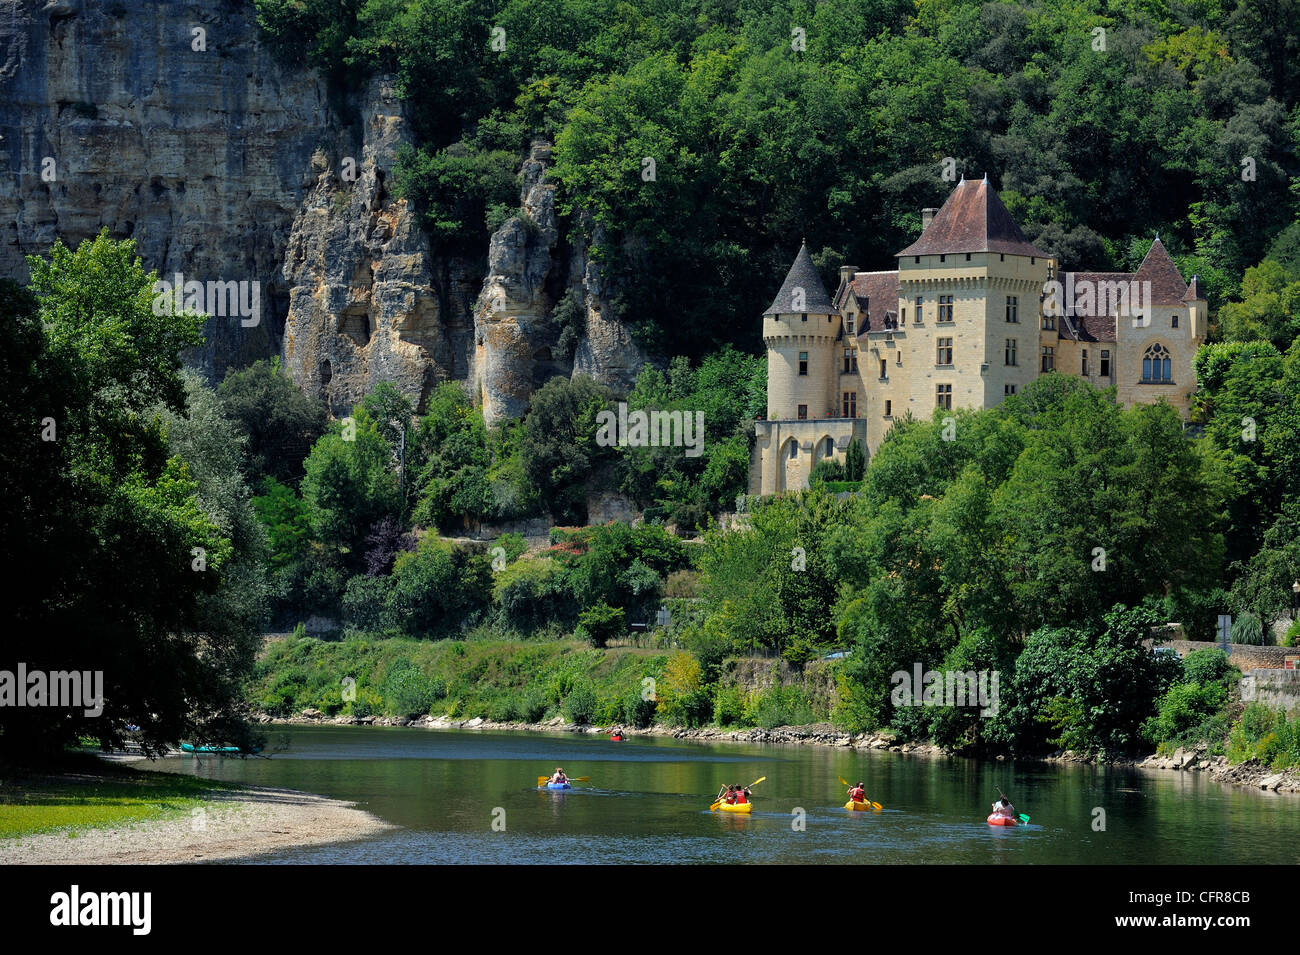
850	321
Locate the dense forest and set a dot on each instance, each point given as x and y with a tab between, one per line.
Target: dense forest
166	523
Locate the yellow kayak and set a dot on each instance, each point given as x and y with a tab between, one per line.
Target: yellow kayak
745	807
859	806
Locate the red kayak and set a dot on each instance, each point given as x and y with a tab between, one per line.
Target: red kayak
997	819
617	739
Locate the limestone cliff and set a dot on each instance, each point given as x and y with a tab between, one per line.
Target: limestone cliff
111	118
169	122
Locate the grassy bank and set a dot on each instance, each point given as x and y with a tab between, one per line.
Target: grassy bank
518	681
82	792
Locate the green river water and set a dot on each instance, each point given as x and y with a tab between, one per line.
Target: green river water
647	802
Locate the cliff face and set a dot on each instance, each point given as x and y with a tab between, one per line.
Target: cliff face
202	156
225	165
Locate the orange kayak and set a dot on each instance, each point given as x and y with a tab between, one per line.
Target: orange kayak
997	819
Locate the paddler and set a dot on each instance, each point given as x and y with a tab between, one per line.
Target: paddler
1003	807
858	793
741	796
559	779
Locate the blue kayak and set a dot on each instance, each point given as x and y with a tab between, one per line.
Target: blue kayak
226	750
558	786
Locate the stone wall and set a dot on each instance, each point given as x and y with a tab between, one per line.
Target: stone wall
1272	687
1244	657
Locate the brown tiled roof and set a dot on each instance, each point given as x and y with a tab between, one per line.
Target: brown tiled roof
877	296
973	220
1167	285
1195	291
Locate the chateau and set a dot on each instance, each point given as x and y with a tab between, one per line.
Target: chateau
973	313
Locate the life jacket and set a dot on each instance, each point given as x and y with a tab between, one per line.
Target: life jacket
740	797
729	798
858	795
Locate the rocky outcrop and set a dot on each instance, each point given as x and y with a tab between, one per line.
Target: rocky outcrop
169	122
119	116
363	304
514	338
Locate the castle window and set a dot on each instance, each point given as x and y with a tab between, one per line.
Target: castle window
1013	309
850	404
830	447
943	397
1156	364
943	258
1002	256
805	316
1049	323
916	259
1105	363
1085	363
884	368
967	256
1049	358
1175	323
803	363
850	360
943	354
919	300
803	415
1031	260
902	315
850	329
889	408
794	450
945	308
1008	389
1010	356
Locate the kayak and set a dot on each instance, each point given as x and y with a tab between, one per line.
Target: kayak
997	819
220	750
859	806
558	786
617	739
745	807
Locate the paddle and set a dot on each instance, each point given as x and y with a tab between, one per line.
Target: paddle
715	806
874	805
541	780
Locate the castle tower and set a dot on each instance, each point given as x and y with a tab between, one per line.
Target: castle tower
805	421
799	329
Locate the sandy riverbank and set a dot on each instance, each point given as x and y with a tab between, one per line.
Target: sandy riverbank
236	824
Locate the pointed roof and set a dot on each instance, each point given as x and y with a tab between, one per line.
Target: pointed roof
802	276
973	220
877	295
1167	285
1195	291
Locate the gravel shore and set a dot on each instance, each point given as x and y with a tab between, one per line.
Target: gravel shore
234	825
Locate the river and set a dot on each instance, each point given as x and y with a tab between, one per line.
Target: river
647	802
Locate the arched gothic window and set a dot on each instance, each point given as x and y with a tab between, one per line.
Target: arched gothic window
1156	364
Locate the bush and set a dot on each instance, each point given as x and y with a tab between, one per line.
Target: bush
1206	666
729	706
1266	735
1247	629
408	691
637	711
780	706
825	470
1185	707
532	706
580	705
1292	636
601	624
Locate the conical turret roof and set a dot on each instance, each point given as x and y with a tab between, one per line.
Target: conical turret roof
973	219
802	290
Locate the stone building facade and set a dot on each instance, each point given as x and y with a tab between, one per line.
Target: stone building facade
973	313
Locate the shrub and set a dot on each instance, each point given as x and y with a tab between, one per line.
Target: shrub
601	624
729	706
637	711
1292	636
780	706
1206	666
1183	708
1266	735
580	704
825	470
407	690
1247	629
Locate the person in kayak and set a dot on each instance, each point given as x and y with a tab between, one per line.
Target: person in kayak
559	779
741	796
858	793
1003	807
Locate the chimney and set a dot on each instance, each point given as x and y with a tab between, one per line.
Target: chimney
926	216
847	272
